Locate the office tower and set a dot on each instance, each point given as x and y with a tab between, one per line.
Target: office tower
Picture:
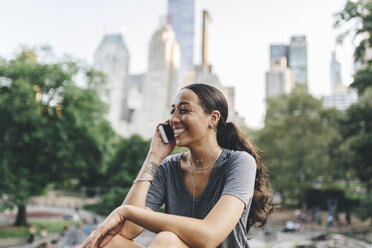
203	73
135	85
335	72
342	99
161	82
341	96
278	51
297	59
279	79
181	17
112	58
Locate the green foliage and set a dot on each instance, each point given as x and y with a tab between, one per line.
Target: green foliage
108	202
126	162
51	129
364	211
358	14
295	142
356	131
363	80
320	197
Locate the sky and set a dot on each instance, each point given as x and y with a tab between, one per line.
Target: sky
240	35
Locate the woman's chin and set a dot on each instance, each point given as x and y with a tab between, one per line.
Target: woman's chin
179	142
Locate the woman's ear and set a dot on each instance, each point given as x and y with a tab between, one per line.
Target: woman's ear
215	117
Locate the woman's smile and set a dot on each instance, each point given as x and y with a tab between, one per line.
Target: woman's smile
178	131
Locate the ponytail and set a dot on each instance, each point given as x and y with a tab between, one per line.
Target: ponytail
229	136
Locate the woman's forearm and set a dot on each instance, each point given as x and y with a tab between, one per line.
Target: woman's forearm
138	192
194	232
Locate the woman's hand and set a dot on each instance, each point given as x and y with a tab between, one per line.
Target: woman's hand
106	230
158	146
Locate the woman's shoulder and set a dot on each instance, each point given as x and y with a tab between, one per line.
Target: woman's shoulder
238	157
171	160
233	155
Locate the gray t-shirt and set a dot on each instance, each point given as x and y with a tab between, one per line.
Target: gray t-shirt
234	174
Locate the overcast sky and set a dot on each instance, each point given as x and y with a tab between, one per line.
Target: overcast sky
240	35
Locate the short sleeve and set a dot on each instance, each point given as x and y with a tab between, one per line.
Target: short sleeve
156	194
240	177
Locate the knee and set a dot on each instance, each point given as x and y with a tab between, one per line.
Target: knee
165	239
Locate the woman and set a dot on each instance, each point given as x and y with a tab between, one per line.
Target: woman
212	194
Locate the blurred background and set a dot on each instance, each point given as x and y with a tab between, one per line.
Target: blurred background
84	83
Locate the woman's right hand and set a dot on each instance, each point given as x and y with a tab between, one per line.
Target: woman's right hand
105	231
158	146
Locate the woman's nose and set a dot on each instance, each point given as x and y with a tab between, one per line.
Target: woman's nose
174	118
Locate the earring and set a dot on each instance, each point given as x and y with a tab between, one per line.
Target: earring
210	126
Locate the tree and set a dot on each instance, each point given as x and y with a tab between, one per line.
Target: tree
50	129
356	18
357	134
295	143
127	161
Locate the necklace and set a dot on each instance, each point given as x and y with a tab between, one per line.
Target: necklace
204	168
201	179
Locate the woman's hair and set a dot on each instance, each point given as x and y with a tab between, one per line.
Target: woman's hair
229	136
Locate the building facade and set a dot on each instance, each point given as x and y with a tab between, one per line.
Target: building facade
279	79
341	96
112	58
161	83
297	59
335	70
181	17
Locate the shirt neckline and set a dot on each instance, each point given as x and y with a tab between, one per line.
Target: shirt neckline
182	174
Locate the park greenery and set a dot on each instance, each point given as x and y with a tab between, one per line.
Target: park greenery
53	131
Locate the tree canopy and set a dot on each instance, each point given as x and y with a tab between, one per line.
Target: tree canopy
295	143
51	129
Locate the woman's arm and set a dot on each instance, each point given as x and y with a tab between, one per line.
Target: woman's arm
137	194
209	232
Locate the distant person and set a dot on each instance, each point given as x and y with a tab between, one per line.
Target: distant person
64	230
213	193
31	232
44	233
289	227
297	214
348	218
318	217
330	220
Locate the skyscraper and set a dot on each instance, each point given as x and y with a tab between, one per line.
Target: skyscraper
181	17
297	59
335	68
161	82
112	58
278	51
279	78
341	96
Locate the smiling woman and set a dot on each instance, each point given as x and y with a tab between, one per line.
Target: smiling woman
221	171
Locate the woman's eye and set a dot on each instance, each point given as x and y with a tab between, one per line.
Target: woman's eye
172	111
183	110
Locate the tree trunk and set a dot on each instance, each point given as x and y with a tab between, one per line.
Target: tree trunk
21	216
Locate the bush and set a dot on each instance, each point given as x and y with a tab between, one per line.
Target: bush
364	210
108	202
320	198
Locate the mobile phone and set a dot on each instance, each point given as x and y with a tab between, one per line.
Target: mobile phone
166	133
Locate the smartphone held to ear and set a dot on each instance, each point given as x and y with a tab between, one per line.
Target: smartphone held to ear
166	133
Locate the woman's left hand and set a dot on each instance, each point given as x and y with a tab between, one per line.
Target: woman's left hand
106	230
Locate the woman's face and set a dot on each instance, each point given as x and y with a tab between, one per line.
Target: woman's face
188	119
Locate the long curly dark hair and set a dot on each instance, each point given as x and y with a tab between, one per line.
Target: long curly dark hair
229	136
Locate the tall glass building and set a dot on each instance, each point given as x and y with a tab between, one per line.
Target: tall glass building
278	52
297	59
181	17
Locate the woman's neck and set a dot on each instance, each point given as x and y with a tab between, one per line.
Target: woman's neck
203	155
